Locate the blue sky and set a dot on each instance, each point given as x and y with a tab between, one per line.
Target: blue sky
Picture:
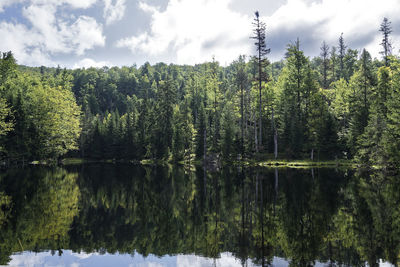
83	33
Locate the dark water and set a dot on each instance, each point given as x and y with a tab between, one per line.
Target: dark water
123	215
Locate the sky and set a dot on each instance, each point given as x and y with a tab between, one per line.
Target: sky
72	259
85	33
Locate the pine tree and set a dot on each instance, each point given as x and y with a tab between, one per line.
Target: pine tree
333	63
201	133
215	96
325	64
178	145
294	86
361	85
391	140
342	52
386	30
241	80
228	131
371	143
164	130
350	63
262	62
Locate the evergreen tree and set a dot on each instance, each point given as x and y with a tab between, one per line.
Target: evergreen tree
294	96
215	97
182	133
342	53
325	64
241	81
333	64
164	131
228	132
361	85
391	138
386	30
262	62
340	106
201	133
350	63
371	144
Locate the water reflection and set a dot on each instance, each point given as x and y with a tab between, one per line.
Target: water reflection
257	216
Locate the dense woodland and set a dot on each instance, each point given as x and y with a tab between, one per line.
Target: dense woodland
340	105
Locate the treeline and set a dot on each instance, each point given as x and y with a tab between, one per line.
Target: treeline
340	105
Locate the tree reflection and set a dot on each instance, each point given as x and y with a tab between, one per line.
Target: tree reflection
303	215
44	204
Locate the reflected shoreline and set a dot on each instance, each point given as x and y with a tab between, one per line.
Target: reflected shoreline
258	215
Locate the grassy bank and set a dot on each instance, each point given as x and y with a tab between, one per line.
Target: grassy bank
307	163
282	163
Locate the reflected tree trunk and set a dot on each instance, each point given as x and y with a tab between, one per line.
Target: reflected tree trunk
276	188
262	223
275	135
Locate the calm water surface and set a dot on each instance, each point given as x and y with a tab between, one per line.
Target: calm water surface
124	215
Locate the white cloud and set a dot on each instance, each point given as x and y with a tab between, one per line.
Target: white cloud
135	43
49	34
79	3
194	30
188	32
359	21
72	3
226	259
88	62
82	255
84	34
147	264
43	22
59	36
114	10
191	32
28	259
25	44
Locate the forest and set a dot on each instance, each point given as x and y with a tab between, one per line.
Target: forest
342	104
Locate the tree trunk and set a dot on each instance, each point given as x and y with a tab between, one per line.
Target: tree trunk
275	135
260	121
276	188
262	225
255	133
276	144
205	148
241	120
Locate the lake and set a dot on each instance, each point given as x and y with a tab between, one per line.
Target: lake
126	215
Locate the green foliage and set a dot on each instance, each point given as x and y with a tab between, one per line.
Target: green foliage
392	134
170	112
6	123
305	122
228	132
41	119
54	117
